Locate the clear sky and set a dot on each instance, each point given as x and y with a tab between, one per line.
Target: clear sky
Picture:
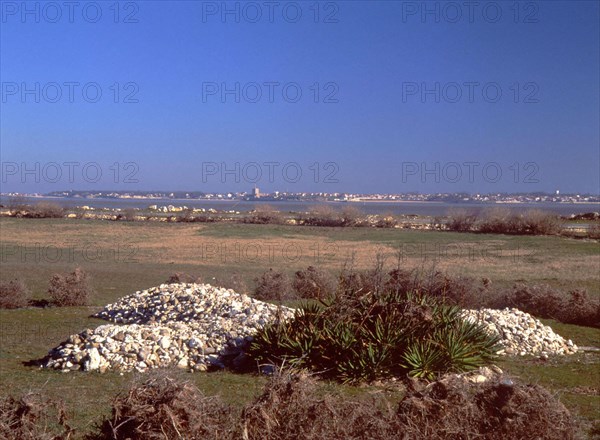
509	87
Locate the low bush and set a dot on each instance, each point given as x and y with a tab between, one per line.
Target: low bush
320	215
128	215
232	281
292	406
313	283
574	307
351	216
593	231
17	206
186	216
466	292
531	222
273	286
45	210
537	222
324	215
14	294
33	417
162	408
205	218
497	410
499	221
264	214
364	336
461	220
452	290
353	282
386	221
182	277
72	289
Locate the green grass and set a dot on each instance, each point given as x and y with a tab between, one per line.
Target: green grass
29	333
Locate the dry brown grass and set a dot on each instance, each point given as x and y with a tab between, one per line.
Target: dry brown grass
290	408
161	408
33	417
497	410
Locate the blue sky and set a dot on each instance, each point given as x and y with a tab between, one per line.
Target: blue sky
369	60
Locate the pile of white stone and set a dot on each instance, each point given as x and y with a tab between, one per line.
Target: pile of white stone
197	326
520	333
192	326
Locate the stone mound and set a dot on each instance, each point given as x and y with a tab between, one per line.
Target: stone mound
192	326
520	333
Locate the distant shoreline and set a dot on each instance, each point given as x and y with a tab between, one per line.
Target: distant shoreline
259	200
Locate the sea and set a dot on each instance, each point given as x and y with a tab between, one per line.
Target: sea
392	208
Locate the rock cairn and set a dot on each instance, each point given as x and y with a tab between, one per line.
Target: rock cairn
520	333
198	326
192	326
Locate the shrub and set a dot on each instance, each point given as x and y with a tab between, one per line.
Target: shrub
496	410
386	221
500	221
461	220
45	210
313	283
290	407
465	292
70	290
324	215
182	277
273	285
351	216
17	206
186	216
352	282
536	222
366	336
264	214
574	307
461	291
207	218
531	222
581	309
33	417
80	213
233	281
162	408
593	231
14	294
128	214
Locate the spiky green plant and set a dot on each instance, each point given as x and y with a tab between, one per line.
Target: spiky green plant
369	336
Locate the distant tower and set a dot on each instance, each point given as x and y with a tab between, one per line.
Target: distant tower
557	192
256	193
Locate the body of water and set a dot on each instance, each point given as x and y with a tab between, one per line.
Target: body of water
396	208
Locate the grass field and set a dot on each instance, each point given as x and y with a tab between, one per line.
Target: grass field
123	257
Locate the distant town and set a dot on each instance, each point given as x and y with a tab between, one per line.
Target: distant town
277	196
